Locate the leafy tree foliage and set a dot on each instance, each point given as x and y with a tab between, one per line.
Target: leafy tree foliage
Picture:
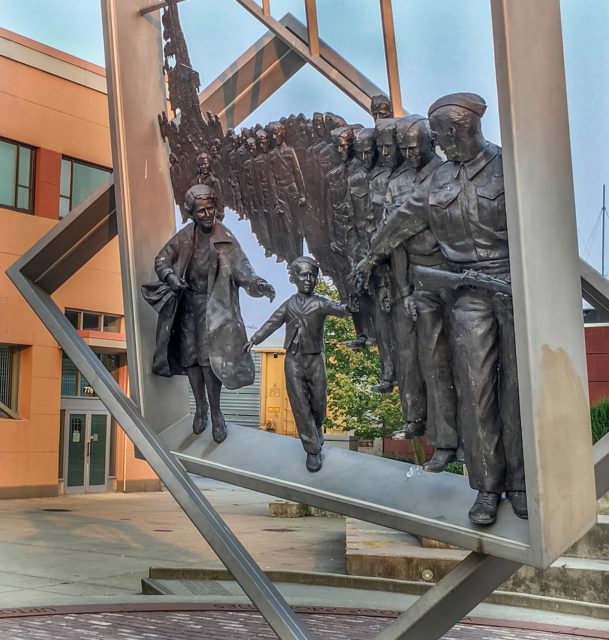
599	415
351	405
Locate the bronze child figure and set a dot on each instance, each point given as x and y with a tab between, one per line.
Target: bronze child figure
200	332
304	315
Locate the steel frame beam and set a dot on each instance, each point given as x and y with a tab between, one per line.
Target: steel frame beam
334	59
545	268
156	6
409	500
256	74
391	58
312	28
329	71
451	599
264	68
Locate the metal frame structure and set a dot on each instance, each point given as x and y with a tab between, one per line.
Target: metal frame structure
156	422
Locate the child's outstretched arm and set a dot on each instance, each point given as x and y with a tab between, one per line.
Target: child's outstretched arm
269	327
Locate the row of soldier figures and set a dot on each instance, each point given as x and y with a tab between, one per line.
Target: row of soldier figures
418	246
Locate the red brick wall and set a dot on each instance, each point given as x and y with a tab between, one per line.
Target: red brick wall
597	356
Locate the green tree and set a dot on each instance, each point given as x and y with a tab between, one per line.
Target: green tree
351	404
599	417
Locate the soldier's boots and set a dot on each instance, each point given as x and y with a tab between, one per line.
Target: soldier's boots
218	429
359	343
200	423
484	509
384	386
439	460
409	430
519	503
314	462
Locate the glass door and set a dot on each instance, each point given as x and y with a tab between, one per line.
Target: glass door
75	434
96	474
86	447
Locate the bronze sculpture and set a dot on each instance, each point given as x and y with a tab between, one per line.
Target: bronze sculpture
304	315
289	186
465	209
416	247
207	177
380	107
427	308
200	332
378	179
483	320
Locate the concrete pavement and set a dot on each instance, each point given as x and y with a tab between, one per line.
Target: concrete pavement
95	549
104	544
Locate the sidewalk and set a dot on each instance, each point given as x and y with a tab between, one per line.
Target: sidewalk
89	552
103	544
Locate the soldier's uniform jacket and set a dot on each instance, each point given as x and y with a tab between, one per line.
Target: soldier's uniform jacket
338	189
467	211
264	176
325	158
406	219
304	319
464	205
359	210
379	181
251	187
234	163
287	170
423	247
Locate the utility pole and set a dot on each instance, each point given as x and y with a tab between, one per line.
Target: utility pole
604	215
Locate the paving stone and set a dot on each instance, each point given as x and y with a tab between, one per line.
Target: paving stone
235	625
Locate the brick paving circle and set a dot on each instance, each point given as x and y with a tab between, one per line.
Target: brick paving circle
235	625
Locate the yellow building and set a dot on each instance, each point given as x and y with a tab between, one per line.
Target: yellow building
55	436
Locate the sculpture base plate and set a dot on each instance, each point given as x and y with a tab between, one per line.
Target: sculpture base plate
387	492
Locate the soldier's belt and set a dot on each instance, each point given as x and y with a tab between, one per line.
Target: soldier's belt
433	260
434	279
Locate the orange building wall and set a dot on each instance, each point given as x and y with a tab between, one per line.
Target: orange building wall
58	117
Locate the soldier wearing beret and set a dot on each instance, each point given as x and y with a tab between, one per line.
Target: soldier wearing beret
378	178
465	209
380	107
423	311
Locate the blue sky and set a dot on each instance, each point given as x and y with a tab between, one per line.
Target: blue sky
442	47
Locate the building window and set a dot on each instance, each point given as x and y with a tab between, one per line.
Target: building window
16	176
9	381
94	321
78	180
74	384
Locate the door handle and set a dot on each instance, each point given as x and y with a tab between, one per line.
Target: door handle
88	449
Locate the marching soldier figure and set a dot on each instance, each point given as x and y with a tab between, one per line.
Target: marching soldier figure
290	190
426	308
465	208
